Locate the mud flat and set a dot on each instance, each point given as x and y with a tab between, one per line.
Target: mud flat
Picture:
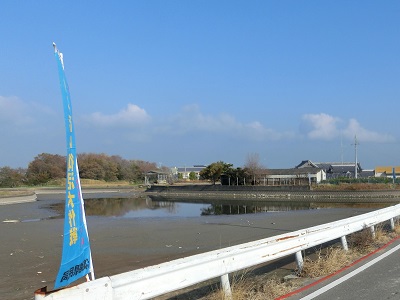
30	251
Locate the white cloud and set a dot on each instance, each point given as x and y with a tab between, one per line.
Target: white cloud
136	124
322	126
14	112
354	128
191	119
130	116
325	127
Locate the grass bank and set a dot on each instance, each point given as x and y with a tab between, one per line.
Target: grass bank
356	187
60	185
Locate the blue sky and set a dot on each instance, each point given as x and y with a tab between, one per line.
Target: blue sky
193	82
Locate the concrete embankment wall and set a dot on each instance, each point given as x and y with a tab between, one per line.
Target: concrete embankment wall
18	199
270	192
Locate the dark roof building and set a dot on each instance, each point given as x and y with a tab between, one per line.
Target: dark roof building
185	171
336	169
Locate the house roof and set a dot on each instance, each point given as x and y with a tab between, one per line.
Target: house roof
190	169
305	164
367	173
293	171
155	172
342	169
327	165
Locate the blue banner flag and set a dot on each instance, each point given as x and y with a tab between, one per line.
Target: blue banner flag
394	174
76	260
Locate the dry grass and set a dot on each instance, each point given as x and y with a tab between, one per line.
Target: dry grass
356	187
365	241
327	261
60	184
248	287
323	262
332	259
14	193
101	183
397	227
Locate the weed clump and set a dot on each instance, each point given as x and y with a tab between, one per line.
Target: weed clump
326	261
256	288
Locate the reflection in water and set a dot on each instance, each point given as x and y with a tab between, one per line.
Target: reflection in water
239	209
145	207
120	207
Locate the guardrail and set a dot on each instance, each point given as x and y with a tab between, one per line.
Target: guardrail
153	281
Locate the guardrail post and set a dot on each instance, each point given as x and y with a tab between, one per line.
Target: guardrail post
372	228
226	287
40	293
299	261
392	224
344	243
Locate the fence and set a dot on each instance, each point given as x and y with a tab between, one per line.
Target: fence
153	281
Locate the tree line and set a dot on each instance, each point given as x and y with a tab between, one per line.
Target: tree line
251	173
46	167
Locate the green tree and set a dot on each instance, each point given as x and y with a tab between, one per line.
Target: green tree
127	170
238	176
213	171
192	176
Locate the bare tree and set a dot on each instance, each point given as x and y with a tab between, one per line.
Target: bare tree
254	167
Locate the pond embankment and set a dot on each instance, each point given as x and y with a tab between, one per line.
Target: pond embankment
22	195
266	193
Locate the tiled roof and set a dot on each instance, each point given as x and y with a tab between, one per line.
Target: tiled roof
306	164
293	171
190	169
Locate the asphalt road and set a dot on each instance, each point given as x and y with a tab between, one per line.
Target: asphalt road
376	277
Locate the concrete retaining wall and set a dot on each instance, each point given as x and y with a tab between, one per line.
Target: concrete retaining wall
265	193
18	199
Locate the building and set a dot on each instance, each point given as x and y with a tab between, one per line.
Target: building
157	177
387	172
184	172
337	169
294	176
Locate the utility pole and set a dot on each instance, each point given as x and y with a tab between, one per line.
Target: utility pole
341	147
355	150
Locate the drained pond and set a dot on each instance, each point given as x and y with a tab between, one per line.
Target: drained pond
158	207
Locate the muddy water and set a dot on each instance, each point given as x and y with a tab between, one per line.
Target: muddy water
153	207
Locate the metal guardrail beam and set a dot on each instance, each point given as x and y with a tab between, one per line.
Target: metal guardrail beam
167	277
